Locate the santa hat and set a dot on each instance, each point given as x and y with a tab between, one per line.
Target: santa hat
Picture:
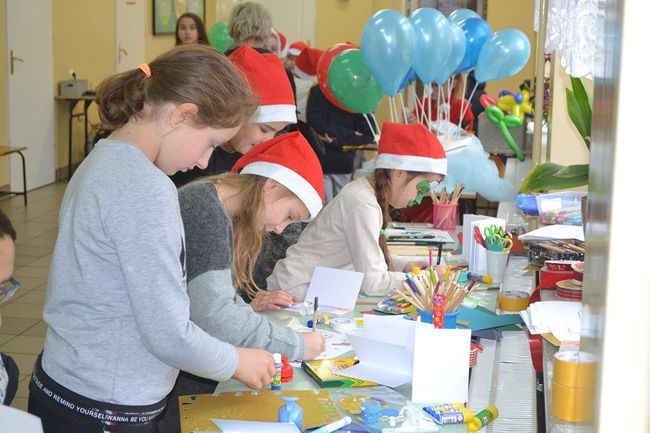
296	48
410	147
306	62
267	77
282	43
288	159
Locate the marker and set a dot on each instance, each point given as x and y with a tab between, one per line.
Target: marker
315	318
329	428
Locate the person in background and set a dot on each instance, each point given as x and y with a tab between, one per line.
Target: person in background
294	51
190	30
346	234
277	44
304	70
459	106
117	308
277	183
8	286
336	128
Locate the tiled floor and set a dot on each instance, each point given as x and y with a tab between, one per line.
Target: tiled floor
22	331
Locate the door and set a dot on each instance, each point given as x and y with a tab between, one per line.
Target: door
129	34
30	91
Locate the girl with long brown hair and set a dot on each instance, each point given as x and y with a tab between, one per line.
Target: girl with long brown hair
117	309
347	233
226	217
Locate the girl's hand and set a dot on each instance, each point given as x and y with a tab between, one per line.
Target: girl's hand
272	300
255	367
314	344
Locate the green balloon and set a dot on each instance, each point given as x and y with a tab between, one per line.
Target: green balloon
219	37
352	83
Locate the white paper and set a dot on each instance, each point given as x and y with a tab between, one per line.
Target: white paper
441	365
561	318
335	288
14	420
230	426
554	232
336	344
384	363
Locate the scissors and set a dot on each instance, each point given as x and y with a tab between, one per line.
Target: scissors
498	243
494	231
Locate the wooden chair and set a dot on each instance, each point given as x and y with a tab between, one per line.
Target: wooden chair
4	151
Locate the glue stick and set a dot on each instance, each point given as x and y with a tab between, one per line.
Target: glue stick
483	418
487	279
277	377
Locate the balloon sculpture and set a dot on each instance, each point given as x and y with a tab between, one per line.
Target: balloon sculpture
516	105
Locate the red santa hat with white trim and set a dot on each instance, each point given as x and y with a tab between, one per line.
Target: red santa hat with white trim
288	159
296	48
306	63
282	43
268	79
410	147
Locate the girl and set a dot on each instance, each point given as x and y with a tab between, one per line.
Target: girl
458	105
346	234
279	182
190	30
117	308
277	109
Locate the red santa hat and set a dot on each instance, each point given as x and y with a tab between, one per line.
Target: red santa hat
288	159
282	43
306	63
410	147
296	48
268	79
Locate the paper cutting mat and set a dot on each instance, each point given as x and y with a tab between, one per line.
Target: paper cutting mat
197	411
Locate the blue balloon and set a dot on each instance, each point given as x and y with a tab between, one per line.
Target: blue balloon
504	54
455	56
388	47
408	79
433	43
462	14
477	31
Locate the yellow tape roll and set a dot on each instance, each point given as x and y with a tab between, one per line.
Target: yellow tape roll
574	375
512	300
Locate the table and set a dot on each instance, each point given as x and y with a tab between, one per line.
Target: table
72	103
504	375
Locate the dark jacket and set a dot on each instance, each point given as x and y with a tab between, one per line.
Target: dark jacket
325	118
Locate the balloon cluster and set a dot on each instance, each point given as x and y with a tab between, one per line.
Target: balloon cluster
219	37
435	48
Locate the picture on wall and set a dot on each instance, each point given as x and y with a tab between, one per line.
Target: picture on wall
166	13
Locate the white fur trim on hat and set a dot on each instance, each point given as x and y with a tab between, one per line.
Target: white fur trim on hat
302	74
292	180
294	51
412	163
275	113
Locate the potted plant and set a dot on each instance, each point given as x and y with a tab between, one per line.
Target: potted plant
551	176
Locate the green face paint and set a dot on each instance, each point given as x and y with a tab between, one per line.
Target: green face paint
423	188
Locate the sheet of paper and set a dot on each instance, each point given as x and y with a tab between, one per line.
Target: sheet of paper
336	345
440	365
337	288
554	232
381	362
15	420
228	426
561	318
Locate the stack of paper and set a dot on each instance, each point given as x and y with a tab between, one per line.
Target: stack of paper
473	252
416	234
561	318
553	232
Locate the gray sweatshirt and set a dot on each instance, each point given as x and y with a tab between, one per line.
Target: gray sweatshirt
215	306
117	308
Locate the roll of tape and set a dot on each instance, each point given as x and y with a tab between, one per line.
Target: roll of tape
342	324
513	300
574	375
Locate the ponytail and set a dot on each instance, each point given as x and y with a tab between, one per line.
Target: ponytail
381	184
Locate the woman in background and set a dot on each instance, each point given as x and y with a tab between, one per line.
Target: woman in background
190	30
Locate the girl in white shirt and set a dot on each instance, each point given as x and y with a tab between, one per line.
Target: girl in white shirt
346	233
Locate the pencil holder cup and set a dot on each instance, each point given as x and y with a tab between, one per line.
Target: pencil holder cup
290	412
450	320
496	264
445	216
425	316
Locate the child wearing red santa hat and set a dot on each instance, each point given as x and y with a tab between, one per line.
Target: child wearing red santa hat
346	234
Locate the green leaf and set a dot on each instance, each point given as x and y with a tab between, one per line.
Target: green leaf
574	171
579	109
544	177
